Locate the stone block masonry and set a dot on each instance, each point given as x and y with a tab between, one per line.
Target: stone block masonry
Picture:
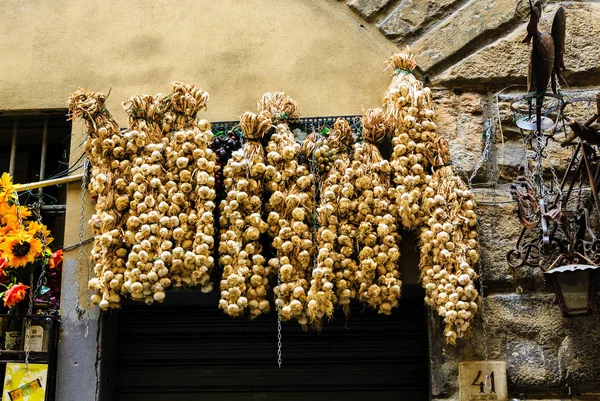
477	66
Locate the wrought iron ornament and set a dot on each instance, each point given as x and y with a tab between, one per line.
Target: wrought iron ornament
556	217
559	215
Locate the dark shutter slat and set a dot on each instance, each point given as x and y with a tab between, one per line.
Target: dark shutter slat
180	352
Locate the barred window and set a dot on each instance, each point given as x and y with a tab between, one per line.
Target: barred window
35	148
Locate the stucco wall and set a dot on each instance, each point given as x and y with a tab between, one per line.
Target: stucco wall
236	50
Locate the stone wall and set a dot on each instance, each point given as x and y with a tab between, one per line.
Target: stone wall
476	63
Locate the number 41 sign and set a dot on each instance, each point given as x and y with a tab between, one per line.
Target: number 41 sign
482	381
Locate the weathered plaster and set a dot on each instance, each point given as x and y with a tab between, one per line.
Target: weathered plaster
234	50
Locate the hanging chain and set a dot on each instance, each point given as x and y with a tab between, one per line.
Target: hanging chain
278	303
483	314
34	290
555	178
487	147
81	311
488	135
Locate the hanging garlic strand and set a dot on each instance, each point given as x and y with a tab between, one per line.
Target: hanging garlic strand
105	148
290	189
245	279
410	115
377	234
333	278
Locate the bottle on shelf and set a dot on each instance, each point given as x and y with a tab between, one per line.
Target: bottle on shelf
13	331
36	329
2	328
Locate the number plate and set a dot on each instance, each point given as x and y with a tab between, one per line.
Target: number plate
477	384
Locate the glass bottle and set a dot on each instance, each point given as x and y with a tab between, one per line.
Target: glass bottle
36	334
12	334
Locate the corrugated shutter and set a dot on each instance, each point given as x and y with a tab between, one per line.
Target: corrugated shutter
195	352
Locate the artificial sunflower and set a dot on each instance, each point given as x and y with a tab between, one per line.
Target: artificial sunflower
4	277
40	231
13	215
21	250
7	189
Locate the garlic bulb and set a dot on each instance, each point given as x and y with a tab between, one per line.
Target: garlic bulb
333	278
245	279
449	252
290	192
377	233
410	114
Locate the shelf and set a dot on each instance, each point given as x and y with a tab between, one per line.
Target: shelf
19	352
19	356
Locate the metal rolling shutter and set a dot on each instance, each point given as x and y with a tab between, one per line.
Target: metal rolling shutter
183	352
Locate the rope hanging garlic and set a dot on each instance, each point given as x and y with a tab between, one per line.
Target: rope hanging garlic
431	197
245	279
377	233
333	277
152	182
290	194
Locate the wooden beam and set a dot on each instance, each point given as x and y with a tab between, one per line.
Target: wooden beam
48	183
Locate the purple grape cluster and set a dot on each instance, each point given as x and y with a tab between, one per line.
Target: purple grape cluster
224	146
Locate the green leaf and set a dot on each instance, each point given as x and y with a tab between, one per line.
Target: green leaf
44	289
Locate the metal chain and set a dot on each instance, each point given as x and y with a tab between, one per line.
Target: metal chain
555	177
487	147
278	303
483	314
28	319
489	139
33	291
81	311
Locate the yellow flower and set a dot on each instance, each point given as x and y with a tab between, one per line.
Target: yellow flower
7	189
20	250
38	230
24	212
13	215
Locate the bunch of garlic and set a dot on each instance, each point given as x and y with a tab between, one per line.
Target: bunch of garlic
148	189
281	165
181	105
290	198
377	237
294	247
245	279
341	142
449	251
333	276
203	245
104	148
156	173
410	114
278	107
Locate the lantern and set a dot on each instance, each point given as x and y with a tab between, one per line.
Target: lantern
574	288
